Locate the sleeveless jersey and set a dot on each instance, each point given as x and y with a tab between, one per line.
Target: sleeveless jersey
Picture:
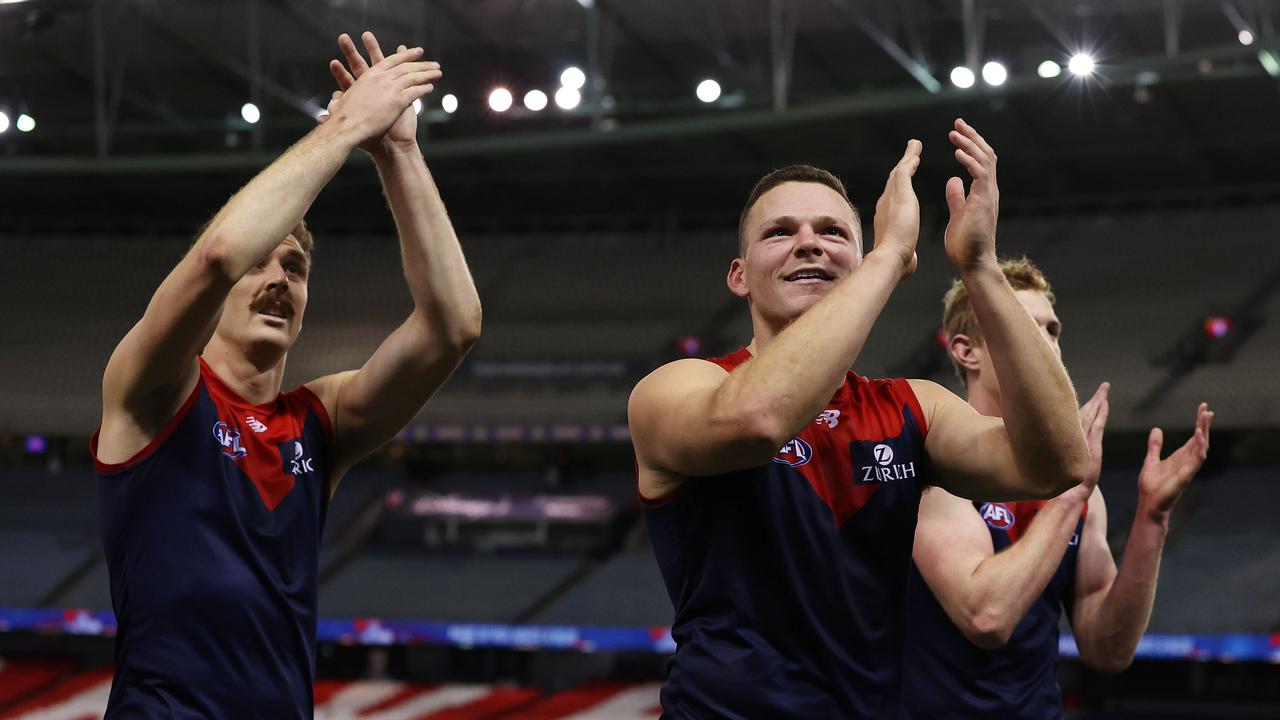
212	538
949	677
789	580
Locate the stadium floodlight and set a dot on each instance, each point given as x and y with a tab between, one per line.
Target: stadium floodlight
535	100
708	91
962	77
1081	64
993	73
573	77
449	103
250	113
417	106
500	100
1245	37
26	123
1049	69
567	98
4	122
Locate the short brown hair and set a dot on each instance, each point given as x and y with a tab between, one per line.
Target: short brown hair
304	237
791	173
957	313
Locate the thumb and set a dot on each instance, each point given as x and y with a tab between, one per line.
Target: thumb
955	196
1155	441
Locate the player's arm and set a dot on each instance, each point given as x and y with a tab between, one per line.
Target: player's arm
691	418
154	366
986	594
370	405
1040	424
1112	608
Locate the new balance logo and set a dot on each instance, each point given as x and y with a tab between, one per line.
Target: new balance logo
255	424
830	418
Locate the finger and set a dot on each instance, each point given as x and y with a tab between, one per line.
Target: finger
969	147
1155	441
404	56
907	167
975	168
417	91
339	72
355	60
415	67
419	78
1100	421
371	46
971	132
955	196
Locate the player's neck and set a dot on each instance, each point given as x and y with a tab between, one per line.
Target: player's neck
255	379
984	399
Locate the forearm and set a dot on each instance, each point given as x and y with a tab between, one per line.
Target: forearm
793	378
1036	397
440	283
263	212
1109	635
1004	586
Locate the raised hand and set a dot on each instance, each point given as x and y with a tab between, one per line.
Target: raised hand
1162	481
378	97
971	233
897	221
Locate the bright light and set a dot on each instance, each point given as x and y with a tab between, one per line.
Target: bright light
26	123
4	122
250	113
417	106
586	3
1049	69
535	100
500	100
449	103
1246	37
994	73
1081	64
962	77
573	77
567	98
708	91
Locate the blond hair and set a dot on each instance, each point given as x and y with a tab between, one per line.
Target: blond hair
957	312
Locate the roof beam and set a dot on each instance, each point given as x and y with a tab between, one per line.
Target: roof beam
855	12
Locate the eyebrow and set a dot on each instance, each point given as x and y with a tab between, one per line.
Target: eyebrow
824	220
298	255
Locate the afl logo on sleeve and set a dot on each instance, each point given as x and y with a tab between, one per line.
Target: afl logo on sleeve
795	453
997	515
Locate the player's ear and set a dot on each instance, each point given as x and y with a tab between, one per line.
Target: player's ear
965	351
737	278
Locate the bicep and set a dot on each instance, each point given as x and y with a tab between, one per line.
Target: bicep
951	541
679	425
156	358
370	405
970	452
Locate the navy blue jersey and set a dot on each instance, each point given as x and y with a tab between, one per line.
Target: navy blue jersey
789	580
212	537
949	677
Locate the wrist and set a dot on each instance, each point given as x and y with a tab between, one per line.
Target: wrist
339	130
392	150
891	258
1149	513
983	267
